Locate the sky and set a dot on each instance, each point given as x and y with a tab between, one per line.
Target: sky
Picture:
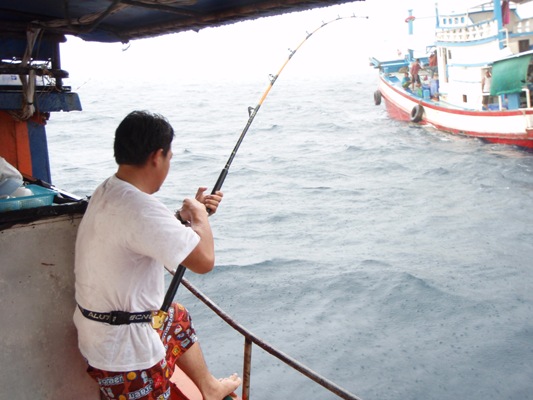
250	49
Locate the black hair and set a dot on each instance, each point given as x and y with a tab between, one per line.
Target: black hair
140	134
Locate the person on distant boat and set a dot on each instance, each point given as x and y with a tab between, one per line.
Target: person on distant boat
406	81
485	89
418	90
432	64
124	240
434	87
415	69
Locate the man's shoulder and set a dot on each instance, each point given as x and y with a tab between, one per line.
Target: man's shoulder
114	193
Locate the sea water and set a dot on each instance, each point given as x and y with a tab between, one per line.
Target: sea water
392	259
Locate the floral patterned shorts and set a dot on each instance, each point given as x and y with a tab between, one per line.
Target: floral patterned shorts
153	383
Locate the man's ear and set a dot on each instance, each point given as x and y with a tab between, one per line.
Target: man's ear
156	157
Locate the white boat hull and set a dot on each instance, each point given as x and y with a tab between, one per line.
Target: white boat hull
508	127
39	342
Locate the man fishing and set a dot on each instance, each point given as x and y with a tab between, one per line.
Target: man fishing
125	239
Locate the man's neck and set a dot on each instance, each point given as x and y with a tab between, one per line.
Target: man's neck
135	176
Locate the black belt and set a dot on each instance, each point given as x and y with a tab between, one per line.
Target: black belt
117	317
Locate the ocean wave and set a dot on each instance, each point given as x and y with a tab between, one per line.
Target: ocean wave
437	172
266	264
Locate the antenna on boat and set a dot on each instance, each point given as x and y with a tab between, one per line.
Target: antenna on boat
160	317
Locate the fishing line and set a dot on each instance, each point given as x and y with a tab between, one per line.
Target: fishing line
252	112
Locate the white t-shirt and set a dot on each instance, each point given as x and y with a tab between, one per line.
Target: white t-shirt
125	239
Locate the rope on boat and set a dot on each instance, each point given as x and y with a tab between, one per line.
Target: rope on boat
28	81
174	284
250	337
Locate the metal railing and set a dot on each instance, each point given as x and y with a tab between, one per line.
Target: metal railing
483	30
468	33
250	339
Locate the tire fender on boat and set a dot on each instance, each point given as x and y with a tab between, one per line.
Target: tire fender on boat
416	113
377	97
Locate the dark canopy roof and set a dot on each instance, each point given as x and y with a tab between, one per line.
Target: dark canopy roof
122	20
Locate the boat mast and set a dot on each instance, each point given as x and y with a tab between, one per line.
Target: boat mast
410	21
499	20
410	18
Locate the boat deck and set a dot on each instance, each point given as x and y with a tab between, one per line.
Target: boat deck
394	79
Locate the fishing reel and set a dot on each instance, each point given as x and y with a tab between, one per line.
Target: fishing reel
158	319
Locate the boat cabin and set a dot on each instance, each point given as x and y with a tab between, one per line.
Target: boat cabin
490	37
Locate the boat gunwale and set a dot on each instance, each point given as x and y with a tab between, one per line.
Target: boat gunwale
10	219
457	110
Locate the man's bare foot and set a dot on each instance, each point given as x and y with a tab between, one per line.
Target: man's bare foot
220	388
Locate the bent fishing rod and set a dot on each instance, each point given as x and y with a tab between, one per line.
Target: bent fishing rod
161	315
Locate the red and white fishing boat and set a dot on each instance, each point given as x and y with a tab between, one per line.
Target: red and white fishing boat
490	39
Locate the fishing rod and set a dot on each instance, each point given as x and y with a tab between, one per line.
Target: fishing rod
161	315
